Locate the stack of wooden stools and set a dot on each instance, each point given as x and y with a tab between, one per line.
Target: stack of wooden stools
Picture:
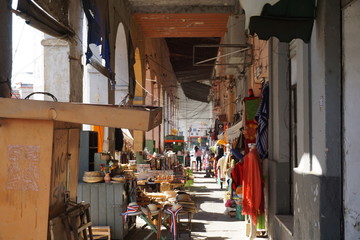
100	232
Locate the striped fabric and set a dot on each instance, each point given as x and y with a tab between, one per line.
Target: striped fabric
262	117
173	226
130	209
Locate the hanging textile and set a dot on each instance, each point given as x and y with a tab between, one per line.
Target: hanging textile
262	118
119	139
100	131
251	106
252	186
97	14
218	128
237	175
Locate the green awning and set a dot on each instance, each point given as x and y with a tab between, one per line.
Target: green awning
286	20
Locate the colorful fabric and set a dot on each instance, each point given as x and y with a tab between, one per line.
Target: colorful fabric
250	126
130	210
252	186
97	14
251	107
262	117
100	131
237	175
173	226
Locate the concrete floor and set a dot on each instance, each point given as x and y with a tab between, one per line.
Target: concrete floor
210	222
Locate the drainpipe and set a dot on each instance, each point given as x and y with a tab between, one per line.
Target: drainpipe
6	54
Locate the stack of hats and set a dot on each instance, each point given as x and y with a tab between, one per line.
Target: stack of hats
185	201
150	209
133	209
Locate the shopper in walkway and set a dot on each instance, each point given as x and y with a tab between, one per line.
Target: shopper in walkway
198	155
187	159
209	169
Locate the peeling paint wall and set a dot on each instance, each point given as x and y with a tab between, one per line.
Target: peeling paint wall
351	96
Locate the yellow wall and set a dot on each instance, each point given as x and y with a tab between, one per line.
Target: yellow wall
139	99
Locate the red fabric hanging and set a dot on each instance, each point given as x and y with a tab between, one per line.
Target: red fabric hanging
237	175
252	186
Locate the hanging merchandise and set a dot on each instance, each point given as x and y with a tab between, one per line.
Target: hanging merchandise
218	129
262	117
251	105
253	203
119	139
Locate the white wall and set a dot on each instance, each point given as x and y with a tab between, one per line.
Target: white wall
300	75
121	65
351	97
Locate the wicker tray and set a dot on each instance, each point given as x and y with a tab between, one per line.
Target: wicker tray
92	174
93	179
118	179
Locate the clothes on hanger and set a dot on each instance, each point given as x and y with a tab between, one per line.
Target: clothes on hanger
252	186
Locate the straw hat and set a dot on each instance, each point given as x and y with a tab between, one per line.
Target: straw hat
175	206
152	207
183	197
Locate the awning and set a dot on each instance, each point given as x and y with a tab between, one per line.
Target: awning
142	118
196	91
234	131
284	19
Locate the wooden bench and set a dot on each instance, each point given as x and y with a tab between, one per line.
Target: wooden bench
100	232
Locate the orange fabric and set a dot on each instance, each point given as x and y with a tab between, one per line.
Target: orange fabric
100	130
252	186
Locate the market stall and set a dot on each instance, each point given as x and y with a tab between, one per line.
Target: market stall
40	155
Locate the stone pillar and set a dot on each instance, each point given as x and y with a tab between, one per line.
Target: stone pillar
56	68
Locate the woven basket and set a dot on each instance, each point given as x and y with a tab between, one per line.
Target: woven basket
119	179
92	174
93	179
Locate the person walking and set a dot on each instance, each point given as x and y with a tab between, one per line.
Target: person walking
187	159
198	155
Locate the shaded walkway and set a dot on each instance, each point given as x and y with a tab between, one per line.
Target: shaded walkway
209	222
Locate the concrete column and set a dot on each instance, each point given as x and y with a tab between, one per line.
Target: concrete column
279	155
56	68
63	75
6	53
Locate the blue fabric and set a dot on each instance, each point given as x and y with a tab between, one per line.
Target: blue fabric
262	117
236	153
97	14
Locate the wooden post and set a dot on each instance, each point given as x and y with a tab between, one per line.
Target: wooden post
6	53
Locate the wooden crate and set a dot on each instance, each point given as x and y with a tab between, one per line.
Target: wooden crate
100	232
